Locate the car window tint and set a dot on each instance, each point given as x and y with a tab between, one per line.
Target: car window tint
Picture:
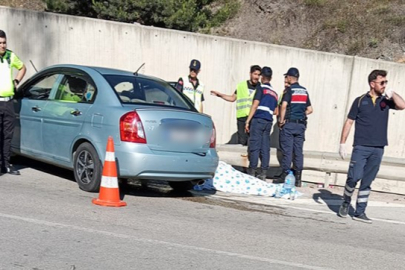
132	89
75	89
42	88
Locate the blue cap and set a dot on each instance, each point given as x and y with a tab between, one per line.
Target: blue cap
293	72
267	72
195	64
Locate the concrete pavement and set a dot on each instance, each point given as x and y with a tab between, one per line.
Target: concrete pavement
48	223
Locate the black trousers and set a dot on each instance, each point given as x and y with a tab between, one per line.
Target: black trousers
7	119
243	137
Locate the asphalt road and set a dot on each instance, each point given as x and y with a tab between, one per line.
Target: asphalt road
47	222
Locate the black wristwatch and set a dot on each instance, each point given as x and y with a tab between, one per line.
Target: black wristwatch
16	81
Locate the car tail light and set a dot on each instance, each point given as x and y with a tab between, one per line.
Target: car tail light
213	140
131	128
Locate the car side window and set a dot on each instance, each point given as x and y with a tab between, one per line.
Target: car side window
42	88
75	89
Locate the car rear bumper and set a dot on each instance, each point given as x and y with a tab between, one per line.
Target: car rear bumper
142	163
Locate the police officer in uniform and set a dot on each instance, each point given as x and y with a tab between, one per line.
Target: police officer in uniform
191	86
8	61
243	96
259	124
370	112
295	107
280	99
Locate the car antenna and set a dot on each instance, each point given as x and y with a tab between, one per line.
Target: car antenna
136	72
33	66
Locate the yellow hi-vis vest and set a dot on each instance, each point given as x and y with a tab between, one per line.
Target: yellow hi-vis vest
8	61
195	95
243	100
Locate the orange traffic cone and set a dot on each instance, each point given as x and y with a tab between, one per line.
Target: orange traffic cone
109	192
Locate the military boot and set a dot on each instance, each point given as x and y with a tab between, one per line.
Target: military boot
298	175
281	179
263	175
251	171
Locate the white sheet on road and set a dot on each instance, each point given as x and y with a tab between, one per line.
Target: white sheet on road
228	179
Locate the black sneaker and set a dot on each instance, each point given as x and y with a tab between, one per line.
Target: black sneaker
363	218
344	210
10	170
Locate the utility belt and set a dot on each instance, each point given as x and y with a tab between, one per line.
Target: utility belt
6	98
298	121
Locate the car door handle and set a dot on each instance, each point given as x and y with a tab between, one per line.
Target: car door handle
35	109
76	112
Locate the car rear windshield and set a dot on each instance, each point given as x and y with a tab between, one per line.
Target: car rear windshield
131	90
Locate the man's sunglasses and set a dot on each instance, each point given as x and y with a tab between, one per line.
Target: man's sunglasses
382	83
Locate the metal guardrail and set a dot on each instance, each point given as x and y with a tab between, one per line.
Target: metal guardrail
391	168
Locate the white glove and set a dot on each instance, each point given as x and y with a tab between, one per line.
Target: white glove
342	150
388	93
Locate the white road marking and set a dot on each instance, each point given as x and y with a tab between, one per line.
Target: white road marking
151	241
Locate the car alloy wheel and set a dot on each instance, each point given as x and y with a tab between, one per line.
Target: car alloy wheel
87	168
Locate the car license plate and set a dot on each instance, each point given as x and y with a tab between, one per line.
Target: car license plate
182	136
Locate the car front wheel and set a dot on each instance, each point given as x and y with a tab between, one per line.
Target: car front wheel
87	168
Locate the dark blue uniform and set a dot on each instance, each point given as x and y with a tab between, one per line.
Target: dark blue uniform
292	134
259	141
370	138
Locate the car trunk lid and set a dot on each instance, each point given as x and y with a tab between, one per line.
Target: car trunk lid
176	130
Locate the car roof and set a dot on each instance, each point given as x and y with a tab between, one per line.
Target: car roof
104	71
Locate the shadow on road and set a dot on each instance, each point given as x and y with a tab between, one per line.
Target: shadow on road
157	189
333	201
20	163
130	188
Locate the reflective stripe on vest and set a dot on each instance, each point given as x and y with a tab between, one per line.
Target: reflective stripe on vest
243	100
266	109
268	102
298	104
6	81
195	95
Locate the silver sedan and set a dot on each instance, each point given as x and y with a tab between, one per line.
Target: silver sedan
66	113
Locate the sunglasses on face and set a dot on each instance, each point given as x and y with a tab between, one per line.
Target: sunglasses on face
382	83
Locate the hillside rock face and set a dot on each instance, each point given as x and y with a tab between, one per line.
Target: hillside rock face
368	28
37	5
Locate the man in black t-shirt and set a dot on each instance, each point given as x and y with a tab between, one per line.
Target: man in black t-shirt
370	112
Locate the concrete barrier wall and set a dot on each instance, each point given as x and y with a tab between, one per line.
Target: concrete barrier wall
333	80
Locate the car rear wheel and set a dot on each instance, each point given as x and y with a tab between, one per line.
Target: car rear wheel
181	186
87	168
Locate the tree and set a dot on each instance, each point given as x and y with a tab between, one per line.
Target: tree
71	7
189	15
